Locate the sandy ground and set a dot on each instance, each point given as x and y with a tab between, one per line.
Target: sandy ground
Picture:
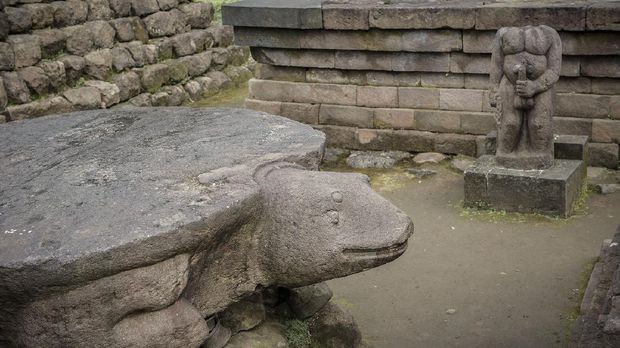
513	280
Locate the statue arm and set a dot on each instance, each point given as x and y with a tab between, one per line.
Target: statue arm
554	62
497	62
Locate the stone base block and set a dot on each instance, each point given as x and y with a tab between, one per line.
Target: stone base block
570	147
551	191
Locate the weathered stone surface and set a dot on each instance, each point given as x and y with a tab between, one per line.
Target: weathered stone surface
606	131
165	23
560	16
20	19
124	28
199	14
79	40
52	41
334	327
469	63
302	92
154	76
55	105
144	7
345	17
42	15
98	64
375	159
177	71
603	66
197	64
143	99
36	79
463	144
7	57
604	155
137	51
461	163
84	98
606	189
238	74
269	334
551	191
74	65
427	62
421	173
429	157
16	89
394	118
166	5
26	49
269	107
121	59
218	80
128	84
605	86
222	34
307	300
460	99
295	14
99	10
438	121
245	314
603	16
70	12
110	93
582	105
103	33
122	8
4	99
169	96
428	16
183	45
341	115
300	112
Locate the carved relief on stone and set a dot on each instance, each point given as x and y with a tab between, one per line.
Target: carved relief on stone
525	66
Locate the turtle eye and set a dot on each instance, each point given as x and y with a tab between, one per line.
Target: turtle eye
337	196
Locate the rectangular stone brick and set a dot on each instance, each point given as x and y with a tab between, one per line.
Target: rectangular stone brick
582	105
558	16
606	131
282	57
305	113
383	40
438	121
431	40
343	40
486	102
271	56
394	118
341	137
464	144
336	76
478	41
603	155
470	63
571	66
460	99
614	107
574	85
377	96
280	73
603	16
270	107
457	15
477	81
572	126
382	78
446	80
477	123
418	98
427	62
295	14
605	86
358	60
389	139
302	92
339	115
590	43
267	37
408	79
604	66
345	17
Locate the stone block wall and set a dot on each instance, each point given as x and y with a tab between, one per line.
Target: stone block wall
70	55
413	75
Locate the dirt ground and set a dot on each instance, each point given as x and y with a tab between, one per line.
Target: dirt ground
513	280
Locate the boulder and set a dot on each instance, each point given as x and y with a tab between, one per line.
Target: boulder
69	12
151	54
238	74
136	49
124	28
220	80
169	96
80	40
74	66
177	71
460	163
208	85
36	79
269	334
335	328
128	84
376	159
4	99
103	32
4	26
110	93
307	300
245	314
421	173
165	23
166	5
122	8
122	59
99	10
143	99
184	45
197	64
26	50
429	157
154	76
41	107
16	89
19	18
202	38
52	41
42	15
164	46
84	98
7	57
193	89
99	64
199	14
143	7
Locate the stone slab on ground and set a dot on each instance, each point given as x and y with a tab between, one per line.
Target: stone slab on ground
551	191
297	14
375	159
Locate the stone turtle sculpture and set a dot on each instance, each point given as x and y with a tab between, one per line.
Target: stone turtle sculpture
128	228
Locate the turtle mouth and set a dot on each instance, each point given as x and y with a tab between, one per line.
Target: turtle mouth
390	252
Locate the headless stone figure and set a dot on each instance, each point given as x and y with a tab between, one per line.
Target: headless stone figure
525	66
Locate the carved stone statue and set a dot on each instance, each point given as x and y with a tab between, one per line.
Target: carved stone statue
525	66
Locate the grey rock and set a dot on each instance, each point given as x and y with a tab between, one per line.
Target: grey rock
110	93
532	101
460	163
122	8
103	33
238	74
99	10
307	300
333	154
207	85
202	38
375	159
26	49
194	89
166	5
124	28
54	105
222	34
184	45
144	7
128	84
239	55
245	314
136	49
165	23
122	59
7	57
42	15
74	66
421	173
169	96
177	71
84	98
429	157
20	19
143	99
80	40
70	12
221	58
606	189
52	41
4	26
55	71
98	64
219	80
199	14
305	14
269	334
197	64
164	46
154	76
151	54
4	99
16	89
36	79
334	327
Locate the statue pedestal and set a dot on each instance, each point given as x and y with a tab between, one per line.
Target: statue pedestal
550	191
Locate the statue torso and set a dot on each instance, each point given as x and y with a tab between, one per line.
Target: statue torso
527	46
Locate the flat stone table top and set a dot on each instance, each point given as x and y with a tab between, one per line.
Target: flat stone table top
95	192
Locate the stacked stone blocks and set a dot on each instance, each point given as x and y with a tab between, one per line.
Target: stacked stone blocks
84	54
361	70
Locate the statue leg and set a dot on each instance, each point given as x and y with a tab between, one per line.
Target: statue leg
509	127
540	128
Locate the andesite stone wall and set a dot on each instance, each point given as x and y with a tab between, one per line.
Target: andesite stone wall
413	76
70	55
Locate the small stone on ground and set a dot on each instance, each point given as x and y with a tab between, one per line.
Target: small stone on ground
429	157
461	163
375	159
606	189
451	311
421	173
